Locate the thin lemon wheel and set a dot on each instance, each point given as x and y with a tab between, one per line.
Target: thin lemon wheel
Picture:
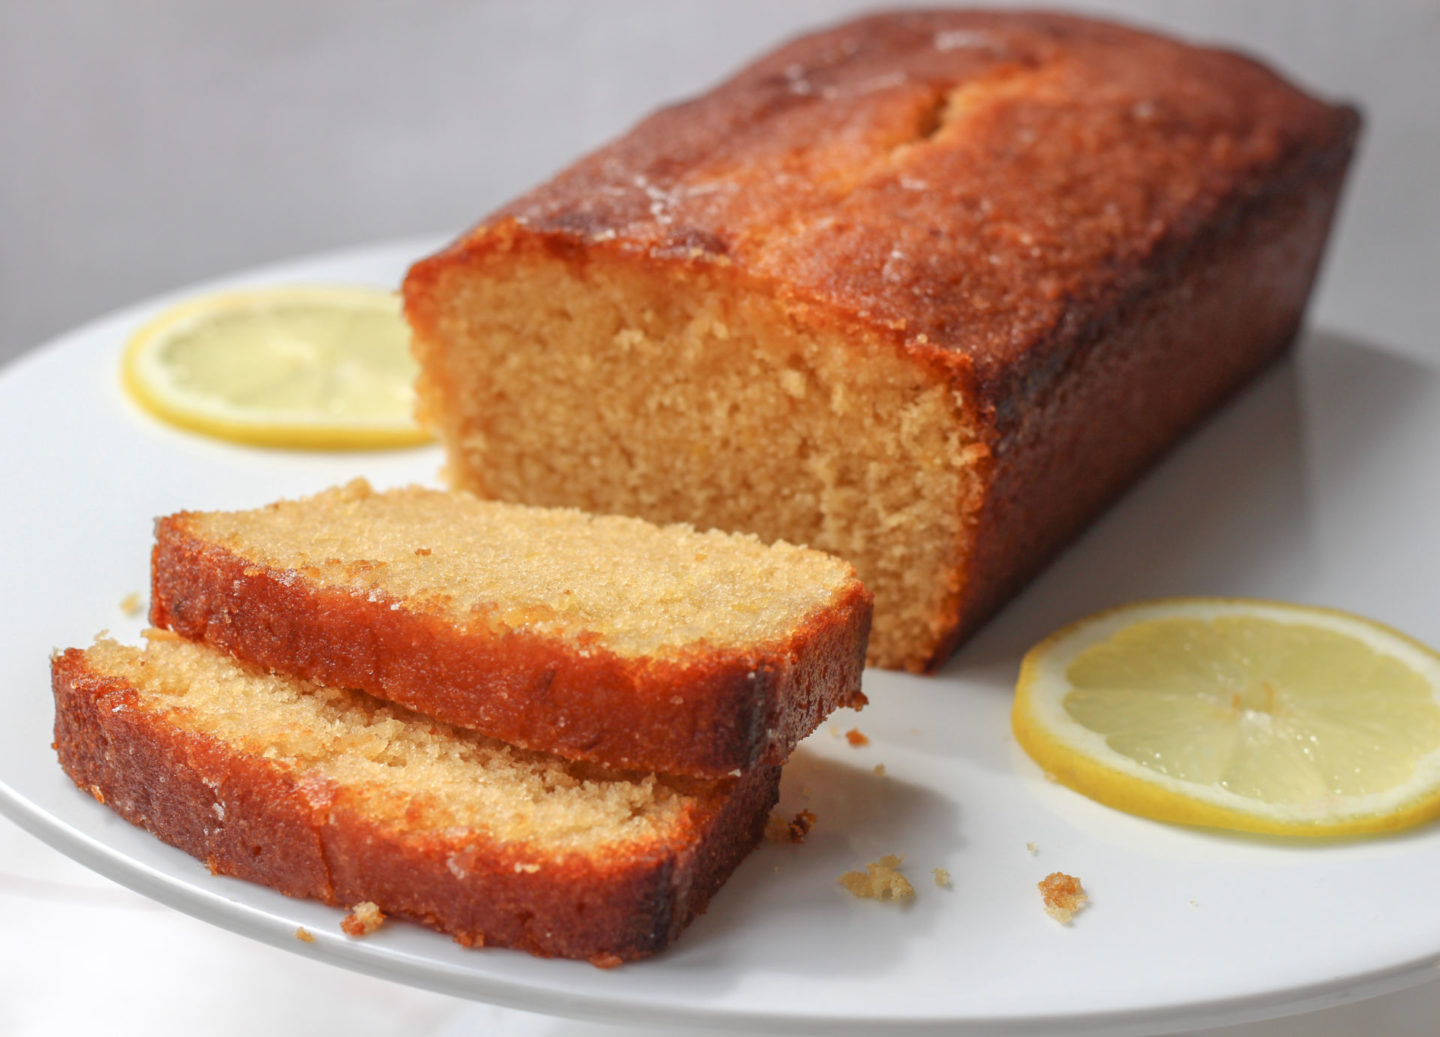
303	367
1231	713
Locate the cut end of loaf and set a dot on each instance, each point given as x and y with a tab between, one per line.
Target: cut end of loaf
683	396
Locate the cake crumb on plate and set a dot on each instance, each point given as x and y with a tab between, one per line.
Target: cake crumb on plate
779	830
1063	896
881	880
364	918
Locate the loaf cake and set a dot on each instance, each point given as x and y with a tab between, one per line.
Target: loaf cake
926	291
598	638
333	795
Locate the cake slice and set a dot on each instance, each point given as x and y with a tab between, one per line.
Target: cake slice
596	638
336	796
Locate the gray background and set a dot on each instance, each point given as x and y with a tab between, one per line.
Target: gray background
147	145
151	144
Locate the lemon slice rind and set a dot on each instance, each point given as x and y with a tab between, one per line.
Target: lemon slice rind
146	378
1081	758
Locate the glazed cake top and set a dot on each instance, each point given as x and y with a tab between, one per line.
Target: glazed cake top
963	182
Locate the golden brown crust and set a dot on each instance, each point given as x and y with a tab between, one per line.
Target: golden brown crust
135	763
1091	234
252	818
708	715
1160	362
1040	165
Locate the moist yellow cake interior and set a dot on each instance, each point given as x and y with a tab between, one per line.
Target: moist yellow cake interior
394	764
683	398
643	590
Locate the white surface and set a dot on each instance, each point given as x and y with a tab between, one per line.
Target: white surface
1316	486
152	972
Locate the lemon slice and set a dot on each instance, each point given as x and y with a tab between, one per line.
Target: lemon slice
1239	714
290	367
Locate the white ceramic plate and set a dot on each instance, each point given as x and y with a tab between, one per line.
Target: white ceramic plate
1318	485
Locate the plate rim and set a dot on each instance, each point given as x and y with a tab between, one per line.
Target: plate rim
255	923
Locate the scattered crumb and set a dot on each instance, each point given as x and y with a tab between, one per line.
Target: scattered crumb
304	935
1194	904
942	878
880	769
880	880
1063	896
856	738
132	604
606	961
423	552
364	918
779	830
833	731
1032	848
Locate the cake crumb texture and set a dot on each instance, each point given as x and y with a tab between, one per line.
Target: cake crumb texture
621	584
1063	896
364	918
881	880
395	764
793	830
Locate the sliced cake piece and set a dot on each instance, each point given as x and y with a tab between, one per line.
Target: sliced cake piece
336	796
597	638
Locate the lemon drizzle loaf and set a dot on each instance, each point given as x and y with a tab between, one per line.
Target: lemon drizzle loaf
606	639
926	291
335	796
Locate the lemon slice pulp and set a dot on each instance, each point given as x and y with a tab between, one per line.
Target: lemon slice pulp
1240	714
290	367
